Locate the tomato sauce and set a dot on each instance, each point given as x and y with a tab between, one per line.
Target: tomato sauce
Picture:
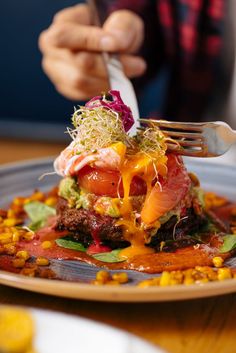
181	259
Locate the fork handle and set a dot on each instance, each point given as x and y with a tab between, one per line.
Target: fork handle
229	135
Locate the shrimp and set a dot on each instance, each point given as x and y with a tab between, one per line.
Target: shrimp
70	162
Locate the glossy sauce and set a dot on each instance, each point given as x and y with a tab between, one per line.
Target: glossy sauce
184	258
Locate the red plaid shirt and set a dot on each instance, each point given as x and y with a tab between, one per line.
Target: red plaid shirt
186	37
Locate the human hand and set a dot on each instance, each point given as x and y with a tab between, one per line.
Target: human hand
72	47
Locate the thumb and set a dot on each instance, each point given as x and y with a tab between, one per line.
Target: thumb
125	32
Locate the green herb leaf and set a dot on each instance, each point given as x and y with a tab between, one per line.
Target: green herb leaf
112	256
70	244
229	243
38	213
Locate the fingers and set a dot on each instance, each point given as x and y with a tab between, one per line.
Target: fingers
72	49
73	83
93	64
80	76
77	14
122	32
76	37
127	28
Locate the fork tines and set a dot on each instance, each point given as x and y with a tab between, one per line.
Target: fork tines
186	139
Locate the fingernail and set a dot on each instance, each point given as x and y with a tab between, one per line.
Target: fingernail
107	43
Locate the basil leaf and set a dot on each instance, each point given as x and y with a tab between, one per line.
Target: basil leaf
38	213
111	256
70	244
34	226
229	243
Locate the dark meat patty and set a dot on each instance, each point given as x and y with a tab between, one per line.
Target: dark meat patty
82	223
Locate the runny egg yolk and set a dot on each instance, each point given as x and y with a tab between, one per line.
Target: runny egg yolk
148	168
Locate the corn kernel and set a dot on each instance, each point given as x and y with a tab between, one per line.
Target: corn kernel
217	261
224	273
28	235
23	254
11	222
145	284
18	201
176	277
11	213
51	201
5	238
10	249
165	279
113	282
17	209
30	272
188	280
15	236
18	263
27	200
42	261
202	280
121	277
46	244
103	276
37	196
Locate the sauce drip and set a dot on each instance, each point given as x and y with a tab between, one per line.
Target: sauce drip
96	247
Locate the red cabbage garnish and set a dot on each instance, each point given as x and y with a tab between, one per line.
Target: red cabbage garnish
112	100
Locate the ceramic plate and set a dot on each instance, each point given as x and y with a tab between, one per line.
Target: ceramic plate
60	333
21	179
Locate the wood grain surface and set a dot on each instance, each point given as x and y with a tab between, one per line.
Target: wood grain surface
195	326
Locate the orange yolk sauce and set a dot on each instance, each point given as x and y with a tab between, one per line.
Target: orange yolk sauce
161	194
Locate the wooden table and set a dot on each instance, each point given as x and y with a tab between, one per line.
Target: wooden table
196	326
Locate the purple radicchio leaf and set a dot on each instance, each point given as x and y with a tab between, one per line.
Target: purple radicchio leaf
112	100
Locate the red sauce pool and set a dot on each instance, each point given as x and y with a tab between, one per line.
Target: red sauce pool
181	259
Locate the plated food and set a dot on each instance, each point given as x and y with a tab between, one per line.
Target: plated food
123	203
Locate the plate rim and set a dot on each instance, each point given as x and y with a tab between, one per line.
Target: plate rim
78	290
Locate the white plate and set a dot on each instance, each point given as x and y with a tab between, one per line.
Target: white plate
62	333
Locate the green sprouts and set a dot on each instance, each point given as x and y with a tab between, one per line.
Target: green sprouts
97	128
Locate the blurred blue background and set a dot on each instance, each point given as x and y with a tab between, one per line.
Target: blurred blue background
27	97
30	107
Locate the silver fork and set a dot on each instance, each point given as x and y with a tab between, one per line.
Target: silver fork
117	79
208	139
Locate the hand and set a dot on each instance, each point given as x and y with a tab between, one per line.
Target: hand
71	49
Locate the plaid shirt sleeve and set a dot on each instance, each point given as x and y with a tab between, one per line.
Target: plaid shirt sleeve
186	37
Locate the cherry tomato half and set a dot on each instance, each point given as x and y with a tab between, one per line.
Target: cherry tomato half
108	183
